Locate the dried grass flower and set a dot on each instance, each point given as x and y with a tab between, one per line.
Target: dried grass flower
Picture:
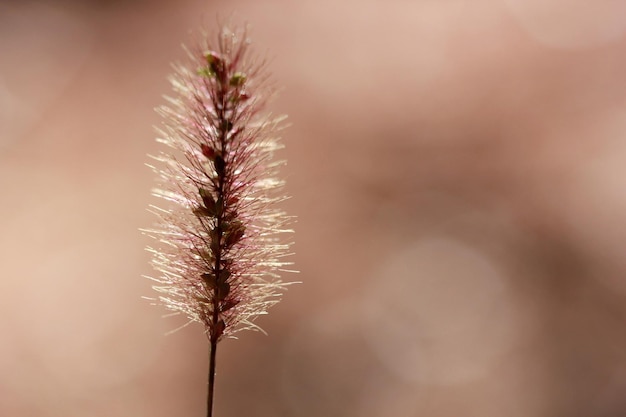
220	239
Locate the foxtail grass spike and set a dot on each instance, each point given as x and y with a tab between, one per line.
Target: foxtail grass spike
221	235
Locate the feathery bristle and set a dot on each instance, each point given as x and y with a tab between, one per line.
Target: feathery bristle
220	246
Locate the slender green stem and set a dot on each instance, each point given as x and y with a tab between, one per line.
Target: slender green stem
209	400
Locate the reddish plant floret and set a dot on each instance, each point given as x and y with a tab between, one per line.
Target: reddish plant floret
220	250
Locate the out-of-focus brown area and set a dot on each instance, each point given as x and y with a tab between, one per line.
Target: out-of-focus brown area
457	169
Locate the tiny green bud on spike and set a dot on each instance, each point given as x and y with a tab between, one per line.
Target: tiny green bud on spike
238	79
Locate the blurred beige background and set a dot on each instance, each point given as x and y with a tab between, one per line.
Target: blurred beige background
457	168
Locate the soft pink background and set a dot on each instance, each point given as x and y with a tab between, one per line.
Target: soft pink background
457	167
